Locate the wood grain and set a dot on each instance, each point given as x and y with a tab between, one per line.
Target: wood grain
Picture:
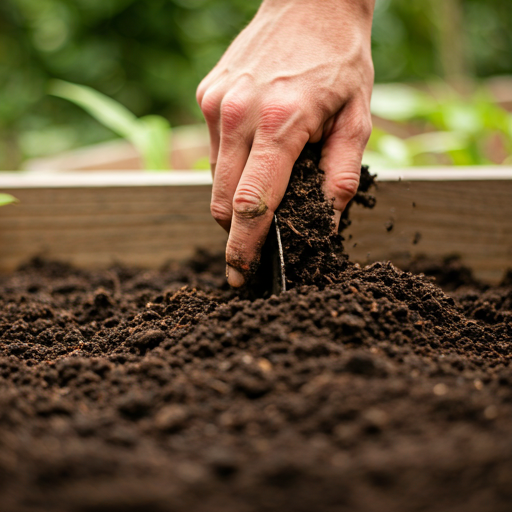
144	226
147	226
472	219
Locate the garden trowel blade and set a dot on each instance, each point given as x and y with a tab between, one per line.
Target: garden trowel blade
278	277
270	277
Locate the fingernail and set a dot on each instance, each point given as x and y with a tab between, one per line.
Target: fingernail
235	278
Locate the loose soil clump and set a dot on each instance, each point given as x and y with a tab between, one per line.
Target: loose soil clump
372	390
312	246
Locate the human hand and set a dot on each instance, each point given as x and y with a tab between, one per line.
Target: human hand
300	71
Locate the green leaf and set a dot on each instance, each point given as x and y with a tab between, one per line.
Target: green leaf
436	142
398	102
7	199
377	161
462	117
104	109
150	134
202	164
509	123
153	140
395	150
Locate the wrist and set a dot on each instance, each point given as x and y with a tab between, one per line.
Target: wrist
362	9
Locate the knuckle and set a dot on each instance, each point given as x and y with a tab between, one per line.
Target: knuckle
345	185
200	91
210	105
248	203
233	111
369	69
360	128
221	211
366	129
371	72
276	114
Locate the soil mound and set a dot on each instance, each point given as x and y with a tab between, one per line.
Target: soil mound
165	391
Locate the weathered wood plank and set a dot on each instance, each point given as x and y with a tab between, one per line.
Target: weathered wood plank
144	226
470	218
149	225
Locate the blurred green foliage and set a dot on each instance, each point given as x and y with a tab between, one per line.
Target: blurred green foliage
150	135
407	45
444	127
147	54
6	199
150	55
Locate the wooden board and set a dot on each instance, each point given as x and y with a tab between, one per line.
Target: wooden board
472	219
151	218
91	227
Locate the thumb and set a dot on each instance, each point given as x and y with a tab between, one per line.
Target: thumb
342	154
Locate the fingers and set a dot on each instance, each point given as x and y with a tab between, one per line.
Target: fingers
214	147
227	117
259	192
235	140
230	165
342	153
253	149
209	101
251	170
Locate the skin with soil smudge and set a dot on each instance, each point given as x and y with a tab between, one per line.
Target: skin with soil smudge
165	391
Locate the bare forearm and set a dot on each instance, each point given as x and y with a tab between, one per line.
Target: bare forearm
363	9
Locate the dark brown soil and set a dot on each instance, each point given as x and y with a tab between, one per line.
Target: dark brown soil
128	390
312	247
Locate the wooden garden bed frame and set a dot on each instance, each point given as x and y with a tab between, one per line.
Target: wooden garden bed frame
146	219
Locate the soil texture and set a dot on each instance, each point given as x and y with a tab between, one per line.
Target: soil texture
312	246
365	389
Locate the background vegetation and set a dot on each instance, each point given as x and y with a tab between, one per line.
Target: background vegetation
150	54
